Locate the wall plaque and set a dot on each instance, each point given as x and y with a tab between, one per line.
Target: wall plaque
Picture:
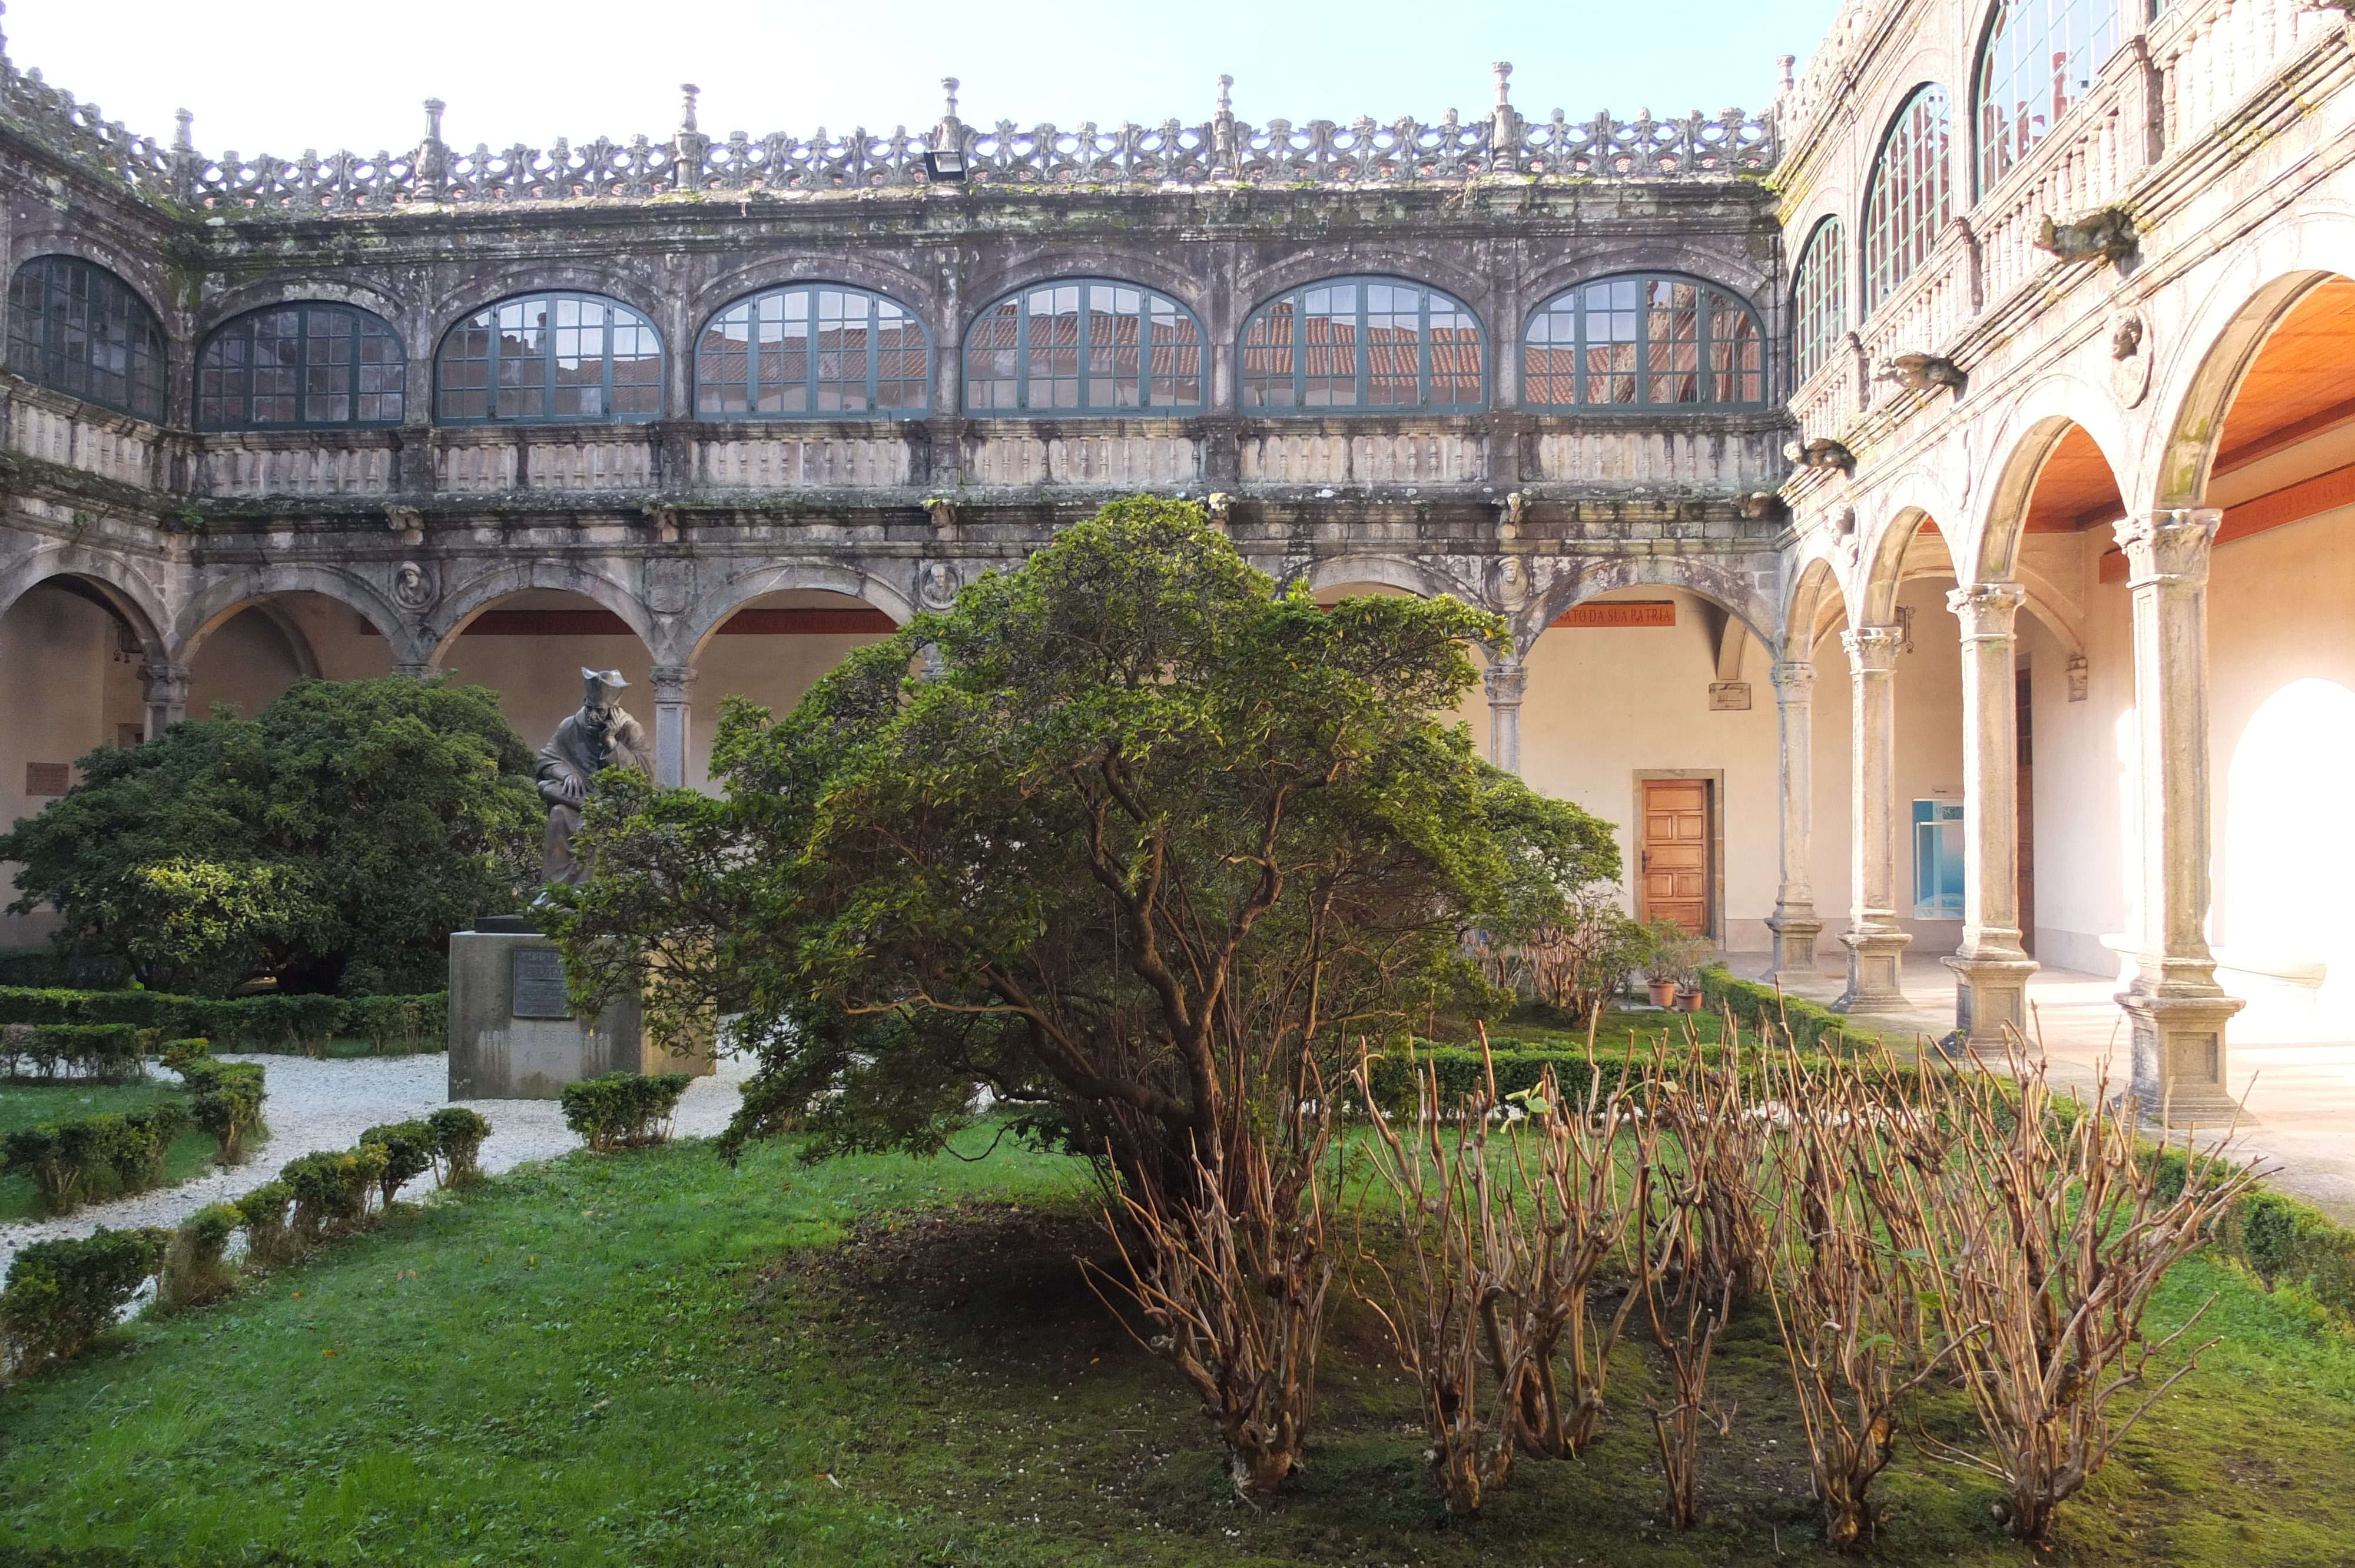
539	984
1729	696
1621	612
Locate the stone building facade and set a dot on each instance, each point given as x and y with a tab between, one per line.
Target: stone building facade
1992	287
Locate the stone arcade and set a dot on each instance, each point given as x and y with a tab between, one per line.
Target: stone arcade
2027	383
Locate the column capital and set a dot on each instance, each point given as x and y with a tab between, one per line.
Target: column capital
165	681
1872	649
672	682
2168	547
1793	678
1985	610
1505	679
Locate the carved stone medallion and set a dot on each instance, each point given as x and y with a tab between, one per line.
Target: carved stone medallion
2129	359
937	583
413	587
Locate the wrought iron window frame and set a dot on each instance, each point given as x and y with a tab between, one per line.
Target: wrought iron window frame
357	314
548	355
1642	403
1869	296
1423	405
1982	148
874	409
1831	232
42	348
1139	410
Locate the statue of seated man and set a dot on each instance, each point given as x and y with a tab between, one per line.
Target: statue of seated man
599	737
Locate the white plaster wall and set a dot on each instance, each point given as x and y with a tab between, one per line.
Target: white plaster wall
776	671
63	693
1604	703
245	663
2085	785
2281	738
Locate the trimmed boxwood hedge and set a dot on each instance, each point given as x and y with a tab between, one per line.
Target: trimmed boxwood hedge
267	1023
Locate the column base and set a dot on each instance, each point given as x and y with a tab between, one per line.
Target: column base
1794	948
1872	966
2178	1058
1990	997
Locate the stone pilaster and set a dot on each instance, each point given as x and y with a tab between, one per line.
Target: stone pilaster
168	696
1506	678
674	706
2178	1009
1991	968
1875	944
1795	922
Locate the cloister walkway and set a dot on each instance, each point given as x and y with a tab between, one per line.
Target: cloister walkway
2301	1098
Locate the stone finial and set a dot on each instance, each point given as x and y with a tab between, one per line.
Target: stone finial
1226	95
184	135
687	90
1503	72
433	108
949	87
1786	62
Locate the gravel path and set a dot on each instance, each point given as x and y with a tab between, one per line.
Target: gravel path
315	1105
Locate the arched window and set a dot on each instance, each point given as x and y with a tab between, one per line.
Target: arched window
77	328
1645	340
1363	343
2039	58
549	359
301	364
1906	205
1819	299
812	350
1085	345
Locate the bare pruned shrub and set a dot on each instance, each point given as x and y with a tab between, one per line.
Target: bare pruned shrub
1686	1304
1848	1290
1232	1275
2052	1234
1721	1135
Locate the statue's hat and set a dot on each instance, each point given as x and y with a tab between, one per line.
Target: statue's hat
596	684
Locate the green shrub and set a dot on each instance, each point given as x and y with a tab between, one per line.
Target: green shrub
177	1054
107	1052
402	1024
61	1295
137	1149
194	1267
225	1099
622	1111
1813	1026
331	1190
272	1022
62	1160
458	1135
268	1240
408	1153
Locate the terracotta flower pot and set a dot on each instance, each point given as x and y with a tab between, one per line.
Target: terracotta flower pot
1687	1001
1664	993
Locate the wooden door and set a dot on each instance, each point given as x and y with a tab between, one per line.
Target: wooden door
1675	878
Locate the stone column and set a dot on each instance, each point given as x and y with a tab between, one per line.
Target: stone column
168	696
2179	1010
674	705
1507	677
1991	968
1874	940
1795	922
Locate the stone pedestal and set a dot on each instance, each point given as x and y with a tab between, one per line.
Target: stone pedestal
512	1034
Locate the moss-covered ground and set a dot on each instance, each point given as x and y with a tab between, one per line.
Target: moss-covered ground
28	1104
651	1358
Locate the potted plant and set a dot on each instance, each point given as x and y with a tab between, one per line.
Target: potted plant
1663	940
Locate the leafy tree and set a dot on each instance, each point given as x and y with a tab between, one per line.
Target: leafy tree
332	842
1132	835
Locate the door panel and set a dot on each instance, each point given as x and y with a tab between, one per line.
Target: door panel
1673	882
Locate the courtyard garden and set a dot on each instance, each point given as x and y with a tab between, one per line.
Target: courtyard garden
1193	1116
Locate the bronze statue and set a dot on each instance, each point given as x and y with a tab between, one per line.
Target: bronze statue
599	737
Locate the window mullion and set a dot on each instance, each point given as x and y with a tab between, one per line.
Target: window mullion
874	326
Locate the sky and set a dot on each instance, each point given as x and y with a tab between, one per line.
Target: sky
281	76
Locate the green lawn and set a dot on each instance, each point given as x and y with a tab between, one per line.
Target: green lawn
652	1360
23	1104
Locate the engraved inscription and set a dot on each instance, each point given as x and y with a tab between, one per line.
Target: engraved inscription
539	984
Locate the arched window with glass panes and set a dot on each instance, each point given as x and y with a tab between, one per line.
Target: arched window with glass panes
814	351
308	364
1085	345
1818	301
1644	340
2040	58
549	359
1374	343
1907	203
75	327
